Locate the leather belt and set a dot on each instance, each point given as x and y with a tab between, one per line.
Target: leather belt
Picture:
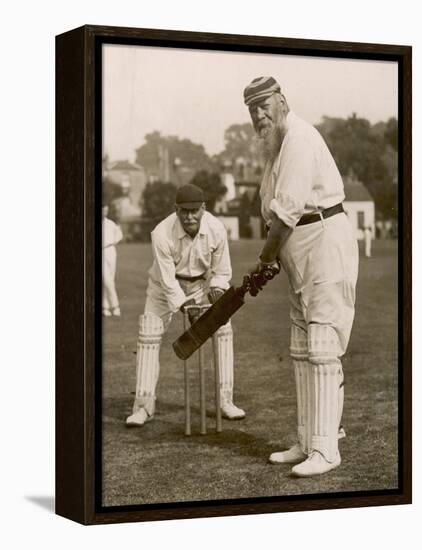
326	213
190	279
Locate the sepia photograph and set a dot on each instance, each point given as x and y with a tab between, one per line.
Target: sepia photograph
250	276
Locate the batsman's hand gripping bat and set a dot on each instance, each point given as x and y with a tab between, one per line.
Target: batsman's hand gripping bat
220	313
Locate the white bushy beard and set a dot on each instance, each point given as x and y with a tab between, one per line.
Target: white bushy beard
270	140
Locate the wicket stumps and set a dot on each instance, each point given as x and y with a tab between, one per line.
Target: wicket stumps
202	383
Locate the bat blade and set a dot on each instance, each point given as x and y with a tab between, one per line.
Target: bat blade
216	316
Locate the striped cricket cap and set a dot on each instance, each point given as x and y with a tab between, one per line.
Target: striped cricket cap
260	88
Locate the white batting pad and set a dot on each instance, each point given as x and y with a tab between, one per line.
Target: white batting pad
151	329
340	398
323	344
298	343
325	348
225	360
303	396
299	354
325	382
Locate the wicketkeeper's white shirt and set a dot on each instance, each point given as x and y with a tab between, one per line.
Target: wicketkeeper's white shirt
303	178
176	253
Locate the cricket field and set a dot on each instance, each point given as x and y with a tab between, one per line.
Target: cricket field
159	464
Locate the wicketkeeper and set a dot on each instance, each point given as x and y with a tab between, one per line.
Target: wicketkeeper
302	194
191	266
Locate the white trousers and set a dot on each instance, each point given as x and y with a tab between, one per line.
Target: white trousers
321	261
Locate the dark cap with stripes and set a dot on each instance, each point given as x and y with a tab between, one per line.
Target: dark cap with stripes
261	88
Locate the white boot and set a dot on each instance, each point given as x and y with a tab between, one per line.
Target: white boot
230	411
295	453
291	456
138	418
315	465
143	411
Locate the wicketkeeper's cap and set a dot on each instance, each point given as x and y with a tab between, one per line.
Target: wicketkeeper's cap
189	196
261	88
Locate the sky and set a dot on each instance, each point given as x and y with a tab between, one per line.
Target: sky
198	94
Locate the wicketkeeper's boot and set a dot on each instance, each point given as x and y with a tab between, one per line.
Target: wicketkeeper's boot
229	409
143	411
316	464
231	412
138	418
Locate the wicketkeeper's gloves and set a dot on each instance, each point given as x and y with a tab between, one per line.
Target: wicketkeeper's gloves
193	312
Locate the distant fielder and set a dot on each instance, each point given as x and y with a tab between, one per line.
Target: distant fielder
112	235
191	266
302	195
367	237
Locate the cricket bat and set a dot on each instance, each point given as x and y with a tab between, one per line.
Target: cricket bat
220	313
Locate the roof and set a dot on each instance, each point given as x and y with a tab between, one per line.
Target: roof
355	191
125	165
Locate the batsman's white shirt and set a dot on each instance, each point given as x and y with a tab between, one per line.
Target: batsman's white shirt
304	177
321	258
176	253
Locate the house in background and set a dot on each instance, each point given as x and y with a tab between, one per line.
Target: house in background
359	206
130	176
132	179
239	208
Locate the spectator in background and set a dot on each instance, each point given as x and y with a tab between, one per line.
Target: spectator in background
112	235
367	235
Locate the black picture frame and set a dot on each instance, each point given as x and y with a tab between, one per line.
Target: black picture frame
78	261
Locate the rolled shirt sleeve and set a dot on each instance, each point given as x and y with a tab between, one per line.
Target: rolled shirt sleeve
167	271
293	179
221	271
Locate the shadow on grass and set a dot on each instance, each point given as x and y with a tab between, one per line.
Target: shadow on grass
233	436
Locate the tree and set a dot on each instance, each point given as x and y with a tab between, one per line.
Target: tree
370	152
158	201
111	191
211	185
240	143
160	153
391	133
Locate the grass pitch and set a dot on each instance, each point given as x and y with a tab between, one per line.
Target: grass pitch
159	464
